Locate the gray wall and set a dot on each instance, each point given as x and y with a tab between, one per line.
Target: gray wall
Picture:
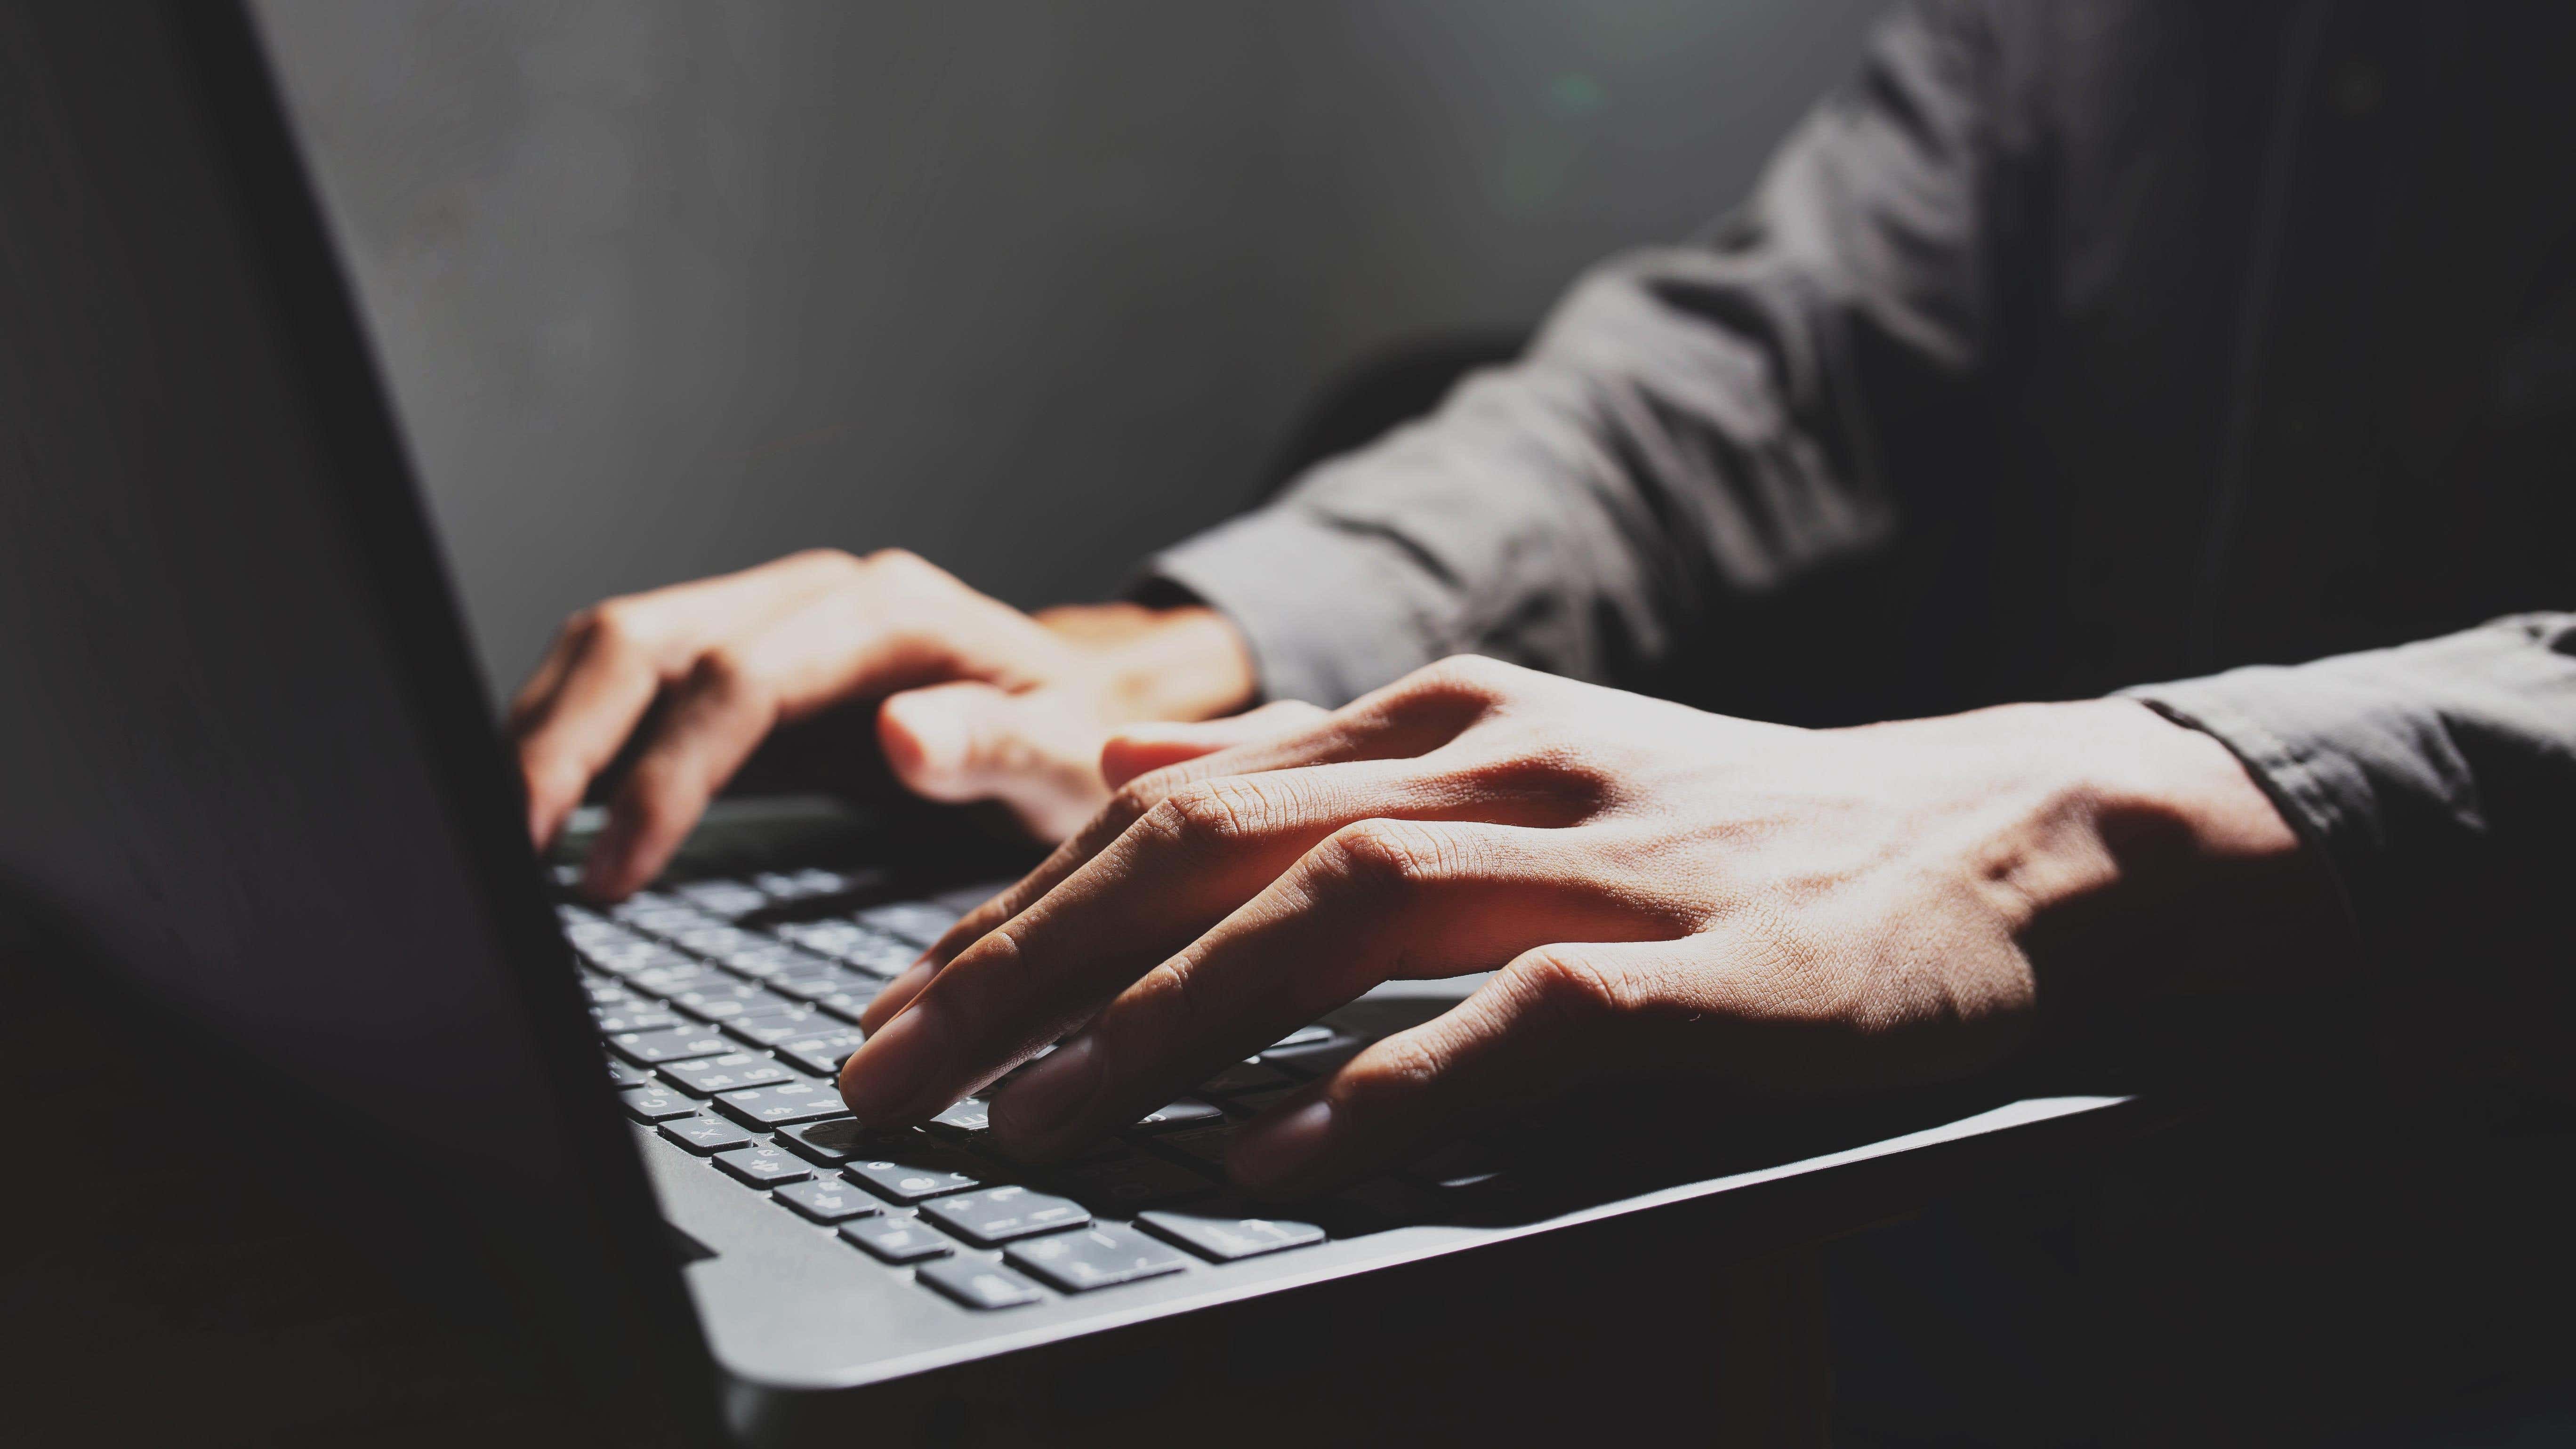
666	288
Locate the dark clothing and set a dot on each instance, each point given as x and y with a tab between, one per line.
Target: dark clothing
2069	346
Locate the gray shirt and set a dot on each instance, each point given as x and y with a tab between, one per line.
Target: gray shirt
2065	347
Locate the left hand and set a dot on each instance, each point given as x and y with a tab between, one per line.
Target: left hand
1661	890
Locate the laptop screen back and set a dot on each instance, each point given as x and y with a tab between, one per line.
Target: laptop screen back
241	747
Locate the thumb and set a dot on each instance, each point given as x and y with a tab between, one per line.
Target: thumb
1035	751
1142	748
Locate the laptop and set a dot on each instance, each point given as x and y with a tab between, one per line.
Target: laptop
250	769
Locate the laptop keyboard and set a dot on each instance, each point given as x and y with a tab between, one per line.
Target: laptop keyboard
724	1037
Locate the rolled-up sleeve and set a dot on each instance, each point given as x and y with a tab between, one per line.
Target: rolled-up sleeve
1692	424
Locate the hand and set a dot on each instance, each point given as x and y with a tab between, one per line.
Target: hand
1757	907
981	701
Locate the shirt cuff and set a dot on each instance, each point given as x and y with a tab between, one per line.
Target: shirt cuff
1323	610
2284	733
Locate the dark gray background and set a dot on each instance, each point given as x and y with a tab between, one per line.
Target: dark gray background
668	288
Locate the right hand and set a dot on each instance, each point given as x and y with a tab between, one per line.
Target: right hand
980	701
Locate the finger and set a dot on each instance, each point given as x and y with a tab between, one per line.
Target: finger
1034	751
1160	745
608	663
1557	1015
1329	740
1380	899
716	719
1427	710
609	678
1184	864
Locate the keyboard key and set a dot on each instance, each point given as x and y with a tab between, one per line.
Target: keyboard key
849	1006
655	1104
883	957
833	1140
646	960
728	1000
1314	1058
705	1135
621	1075
606	992
781	1105
827	1200
822	1055
672	980
912	1176
919	922
716	942
773	958
726	898
769	1030
979	1284
833	978
640	1017
1458	1167
1217	1233
1099	1257
963	1121
1128	1180
822	937
896	1240
654	1048
763	1166
706	1076
1253	1104
1204	1146
1248	1075
999	1215
1183	1113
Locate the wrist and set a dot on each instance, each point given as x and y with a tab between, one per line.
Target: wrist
2202	884
1184	662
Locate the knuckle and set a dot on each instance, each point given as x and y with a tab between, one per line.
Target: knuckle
1542	771
1217	813
611	624
1398	1065
1471	677
1569	987
725	672
903	569
1393	856
833	558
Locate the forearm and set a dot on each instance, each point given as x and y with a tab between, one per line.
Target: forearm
1693	425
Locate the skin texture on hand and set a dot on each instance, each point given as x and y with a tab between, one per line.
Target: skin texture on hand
980	701
1661	891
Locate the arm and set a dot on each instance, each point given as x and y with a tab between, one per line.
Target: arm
1692	425
2438	781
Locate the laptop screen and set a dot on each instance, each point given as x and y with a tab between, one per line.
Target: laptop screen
242	752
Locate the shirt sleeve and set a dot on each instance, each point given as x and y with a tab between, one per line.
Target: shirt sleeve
1691	424
2438	780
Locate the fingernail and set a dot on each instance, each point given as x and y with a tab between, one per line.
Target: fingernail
1273	1153
889	1067
1046	1097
